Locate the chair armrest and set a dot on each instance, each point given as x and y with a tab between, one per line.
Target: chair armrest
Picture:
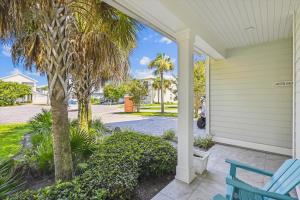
236	164
243	186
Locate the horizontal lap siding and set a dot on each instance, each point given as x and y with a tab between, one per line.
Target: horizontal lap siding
244	103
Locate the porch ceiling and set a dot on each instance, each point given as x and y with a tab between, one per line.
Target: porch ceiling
218	24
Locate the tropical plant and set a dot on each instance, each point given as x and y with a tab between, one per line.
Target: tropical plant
102	49
169	135
10	92
114	169
43	35
98	127
82	144
40	31
41	122
137	91
199	85
162	63
157	86
10	181
204	142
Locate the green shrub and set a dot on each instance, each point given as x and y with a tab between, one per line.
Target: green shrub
10	181
169	135
41	122
114	169
204	142
63	190
98	127
11	91
122	158
95	101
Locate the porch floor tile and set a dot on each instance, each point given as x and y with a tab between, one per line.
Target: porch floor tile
212	182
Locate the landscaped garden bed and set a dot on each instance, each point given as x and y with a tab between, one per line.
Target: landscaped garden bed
107	164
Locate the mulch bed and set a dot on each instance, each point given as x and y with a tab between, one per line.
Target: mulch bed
148	187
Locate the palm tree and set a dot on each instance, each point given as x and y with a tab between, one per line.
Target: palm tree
161	64
41	32
102	54
156	86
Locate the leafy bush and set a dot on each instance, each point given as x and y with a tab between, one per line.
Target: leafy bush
41	122
169	135
114	169
122	158
63	190
204	142
9	180
95	101
10	92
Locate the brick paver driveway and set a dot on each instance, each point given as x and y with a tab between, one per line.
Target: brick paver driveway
150	125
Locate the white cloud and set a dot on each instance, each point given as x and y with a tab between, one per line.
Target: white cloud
15	71
142	74
165	40
145	60
6	50
34	73
148	37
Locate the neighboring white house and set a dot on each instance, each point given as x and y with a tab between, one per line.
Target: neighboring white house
154	94
36	97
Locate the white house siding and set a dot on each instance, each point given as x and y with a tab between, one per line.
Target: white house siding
297	82
245	107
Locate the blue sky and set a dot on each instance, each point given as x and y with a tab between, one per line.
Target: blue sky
149	44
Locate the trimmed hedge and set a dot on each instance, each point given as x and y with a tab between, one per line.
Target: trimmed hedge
114	169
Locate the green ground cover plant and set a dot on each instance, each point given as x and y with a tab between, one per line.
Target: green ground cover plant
204	142
114	169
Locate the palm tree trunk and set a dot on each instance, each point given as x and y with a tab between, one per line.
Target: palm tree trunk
90	117
161	92
158	96
57	47
61	141
83	114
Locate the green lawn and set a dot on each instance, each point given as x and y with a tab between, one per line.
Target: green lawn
151	114
10	138
167	107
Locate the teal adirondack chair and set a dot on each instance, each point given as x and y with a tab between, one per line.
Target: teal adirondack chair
286	178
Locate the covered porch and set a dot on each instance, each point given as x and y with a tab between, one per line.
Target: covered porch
212	182
252	87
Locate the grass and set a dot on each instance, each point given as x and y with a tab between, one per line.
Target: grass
151	114
167	107
10	138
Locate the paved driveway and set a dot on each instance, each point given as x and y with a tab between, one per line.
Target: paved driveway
150	125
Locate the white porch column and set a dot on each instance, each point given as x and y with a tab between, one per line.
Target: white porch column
184	169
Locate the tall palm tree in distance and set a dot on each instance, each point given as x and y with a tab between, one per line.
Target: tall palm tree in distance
162	63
